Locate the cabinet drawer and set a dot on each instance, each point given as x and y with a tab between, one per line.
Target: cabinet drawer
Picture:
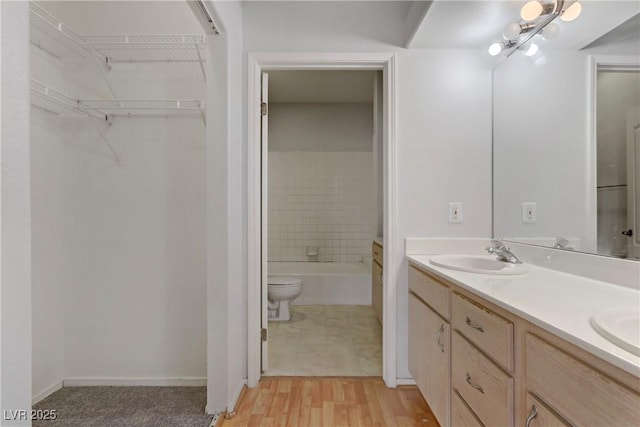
461	415
538	415
489	331
429	356
484	386
376	252
575	390
430	291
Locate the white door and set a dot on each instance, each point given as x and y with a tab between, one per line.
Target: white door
264	216
633	184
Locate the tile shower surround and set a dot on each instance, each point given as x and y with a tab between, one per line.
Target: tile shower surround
323	199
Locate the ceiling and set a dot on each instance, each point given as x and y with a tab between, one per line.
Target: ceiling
477	24
328	86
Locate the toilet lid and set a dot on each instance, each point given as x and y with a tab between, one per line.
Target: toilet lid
283	280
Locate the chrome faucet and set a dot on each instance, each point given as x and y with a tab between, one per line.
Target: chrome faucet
502	252
562	243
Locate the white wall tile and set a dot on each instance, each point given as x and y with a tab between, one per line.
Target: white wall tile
329	203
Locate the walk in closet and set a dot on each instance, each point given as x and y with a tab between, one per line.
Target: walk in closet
118	194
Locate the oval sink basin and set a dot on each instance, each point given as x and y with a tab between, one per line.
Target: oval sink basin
478	264
620	325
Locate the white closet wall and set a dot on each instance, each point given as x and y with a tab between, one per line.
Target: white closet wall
119	275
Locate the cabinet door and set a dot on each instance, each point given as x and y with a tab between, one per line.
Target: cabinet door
429	362
540	416
376	289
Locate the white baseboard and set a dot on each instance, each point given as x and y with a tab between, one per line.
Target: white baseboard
231	407
405	381
46	392
124	382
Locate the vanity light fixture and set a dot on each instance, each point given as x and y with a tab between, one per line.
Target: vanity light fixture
531	49
495	49
572	12
537	17
534	9
513	30
551	31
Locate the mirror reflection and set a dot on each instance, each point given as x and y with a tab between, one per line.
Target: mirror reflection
566	127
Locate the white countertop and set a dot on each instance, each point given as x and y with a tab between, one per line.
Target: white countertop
558	302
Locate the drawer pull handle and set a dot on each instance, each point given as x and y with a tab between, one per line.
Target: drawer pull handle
474	325
438	336
532	414
380	278
476	386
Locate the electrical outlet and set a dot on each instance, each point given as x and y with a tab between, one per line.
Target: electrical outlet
455	212
528	212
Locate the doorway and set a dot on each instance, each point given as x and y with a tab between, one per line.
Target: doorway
617	118
322	209
257	238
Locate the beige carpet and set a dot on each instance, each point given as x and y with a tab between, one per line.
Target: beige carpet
126	406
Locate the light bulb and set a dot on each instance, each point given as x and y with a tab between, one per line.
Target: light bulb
495	49
572	12
531	49
551	31
531	10
512	31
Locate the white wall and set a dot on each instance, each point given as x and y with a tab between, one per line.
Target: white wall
327	127
226	212
443	112
540	144
15	213
49	250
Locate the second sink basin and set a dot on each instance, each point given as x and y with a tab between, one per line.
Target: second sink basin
620	325
478	264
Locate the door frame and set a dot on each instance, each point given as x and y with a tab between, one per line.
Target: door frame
595	62
256	64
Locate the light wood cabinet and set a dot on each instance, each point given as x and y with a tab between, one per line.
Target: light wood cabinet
461	414
486	329
429	356
430	341
503	369
376	280
576	391
486	388
540	415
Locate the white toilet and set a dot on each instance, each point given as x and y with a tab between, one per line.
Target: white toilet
281	291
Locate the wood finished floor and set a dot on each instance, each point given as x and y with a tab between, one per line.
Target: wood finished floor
325	402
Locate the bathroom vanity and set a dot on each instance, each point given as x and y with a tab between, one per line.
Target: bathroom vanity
518	350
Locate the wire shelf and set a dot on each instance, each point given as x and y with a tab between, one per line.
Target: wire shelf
148	48
56	102
51	35
139	108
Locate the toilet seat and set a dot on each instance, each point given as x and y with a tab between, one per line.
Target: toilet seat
284	281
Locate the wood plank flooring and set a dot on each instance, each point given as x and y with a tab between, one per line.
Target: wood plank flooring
325	402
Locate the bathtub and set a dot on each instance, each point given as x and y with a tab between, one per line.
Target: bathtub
325	283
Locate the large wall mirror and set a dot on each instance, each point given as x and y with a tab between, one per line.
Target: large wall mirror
566	126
